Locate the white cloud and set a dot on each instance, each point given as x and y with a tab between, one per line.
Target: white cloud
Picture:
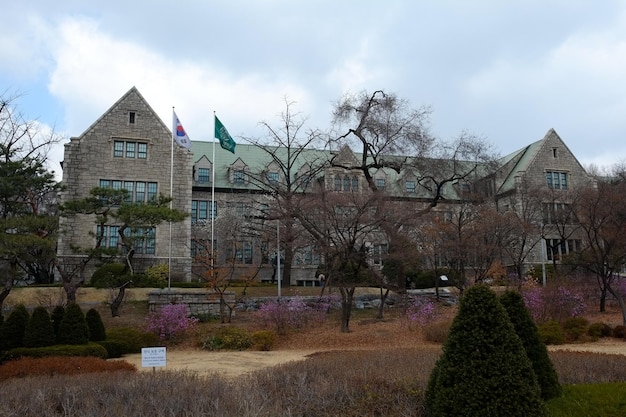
93	69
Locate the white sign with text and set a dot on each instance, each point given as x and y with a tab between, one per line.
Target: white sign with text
153	356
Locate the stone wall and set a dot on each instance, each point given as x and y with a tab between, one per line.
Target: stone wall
199	303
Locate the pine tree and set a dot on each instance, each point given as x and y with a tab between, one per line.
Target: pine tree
57	317
12	332
39	330
483	370
535	349
96	327
73	329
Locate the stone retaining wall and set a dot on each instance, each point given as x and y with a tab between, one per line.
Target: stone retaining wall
197	302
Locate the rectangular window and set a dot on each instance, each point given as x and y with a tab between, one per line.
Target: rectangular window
378	252
142	150
239	177
130	149
140	192
152	191
201	210
136	189
380	183
204	174
143	240
109	236
409	186
243	253
118	149
130	187
131	117
556	180
272	177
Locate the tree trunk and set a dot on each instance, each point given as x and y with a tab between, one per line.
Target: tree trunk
620	300
602	283
383	298
347	295
70	290
6	290
119	298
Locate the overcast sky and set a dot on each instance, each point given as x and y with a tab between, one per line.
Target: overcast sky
507	71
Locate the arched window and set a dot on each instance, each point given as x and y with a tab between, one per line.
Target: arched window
355	184
337	183
346	183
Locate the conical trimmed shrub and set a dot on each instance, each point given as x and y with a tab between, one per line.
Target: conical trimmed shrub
96	327
39	330
73	329
483	370
57	318
12	332
535	349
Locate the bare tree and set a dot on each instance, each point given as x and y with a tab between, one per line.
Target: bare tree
341	223
601	212
293	162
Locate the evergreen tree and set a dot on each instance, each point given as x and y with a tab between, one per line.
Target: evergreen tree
39	330
12	332
535	349
483	370
73	329
96	327
57	317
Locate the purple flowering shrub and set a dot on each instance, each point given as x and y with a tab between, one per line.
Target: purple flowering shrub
553	303
283	316
170	322
421	312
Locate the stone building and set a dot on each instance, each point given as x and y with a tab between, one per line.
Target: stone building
128	147
224	193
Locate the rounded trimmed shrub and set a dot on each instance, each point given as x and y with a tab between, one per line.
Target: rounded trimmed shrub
536	350
73	329
12	331
551	333
131	340
109	276
39	330
619	332
263	340
96	327
483	370
575	327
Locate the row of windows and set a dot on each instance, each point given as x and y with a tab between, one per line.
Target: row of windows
130	149
346	183
138	191
144	238
557	248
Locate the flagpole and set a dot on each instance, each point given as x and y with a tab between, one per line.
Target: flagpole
213	201
169	256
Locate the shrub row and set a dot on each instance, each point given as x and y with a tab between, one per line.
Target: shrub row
577	329
60	365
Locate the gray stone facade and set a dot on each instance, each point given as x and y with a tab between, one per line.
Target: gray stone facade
91	158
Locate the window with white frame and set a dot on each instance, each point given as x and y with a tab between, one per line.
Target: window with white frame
410	186
380	183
